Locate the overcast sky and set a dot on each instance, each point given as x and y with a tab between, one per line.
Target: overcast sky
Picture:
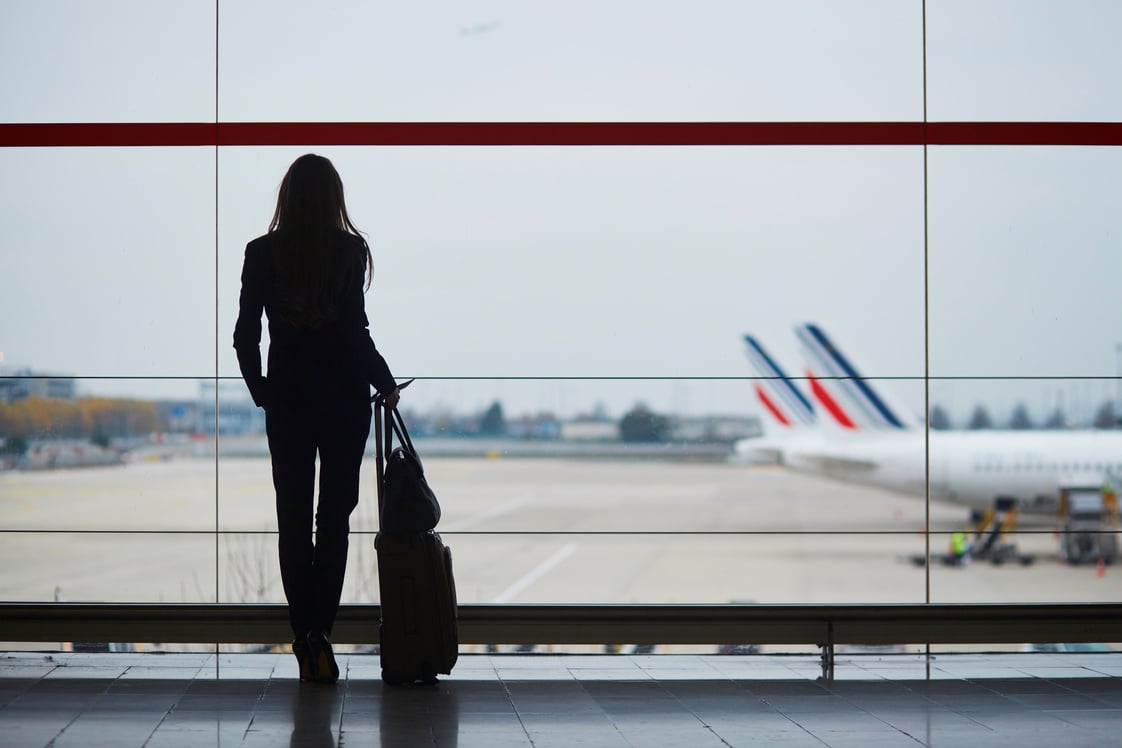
580	262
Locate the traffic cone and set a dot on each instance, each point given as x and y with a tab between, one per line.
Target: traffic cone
1100	568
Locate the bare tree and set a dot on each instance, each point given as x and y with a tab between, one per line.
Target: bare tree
1020	420
980	419
1105	417
1057	420
939	420
252	568
364	562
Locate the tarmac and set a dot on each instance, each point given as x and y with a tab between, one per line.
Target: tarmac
523	530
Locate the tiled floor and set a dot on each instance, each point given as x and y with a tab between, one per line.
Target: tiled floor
165	701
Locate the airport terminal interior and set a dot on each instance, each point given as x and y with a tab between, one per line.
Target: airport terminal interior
741	693
188	700
734	307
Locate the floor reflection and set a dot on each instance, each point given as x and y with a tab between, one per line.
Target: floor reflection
316	715
181	701
419	714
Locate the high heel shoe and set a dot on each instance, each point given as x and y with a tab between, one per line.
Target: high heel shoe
300	649
321	659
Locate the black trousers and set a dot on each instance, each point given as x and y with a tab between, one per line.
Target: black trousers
312	571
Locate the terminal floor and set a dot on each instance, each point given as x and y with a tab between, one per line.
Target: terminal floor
169	700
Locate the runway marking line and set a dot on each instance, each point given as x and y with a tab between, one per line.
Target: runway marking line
535	574
492	513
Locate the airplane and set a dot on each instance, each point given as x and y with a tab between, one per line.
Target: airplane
859	435
480	28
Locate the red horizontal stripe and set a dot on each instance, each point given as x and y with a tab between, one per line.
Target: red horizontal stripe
107	134
1024	133
557	133
571	133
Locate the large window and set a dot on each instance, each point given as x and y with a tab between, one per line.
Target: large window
570	284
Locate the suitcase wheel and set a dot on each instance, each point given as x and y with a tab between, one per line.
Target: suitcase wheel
428	678
392	680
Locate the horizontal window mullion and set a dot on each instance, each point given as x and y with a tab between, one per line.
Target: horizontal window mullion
123	134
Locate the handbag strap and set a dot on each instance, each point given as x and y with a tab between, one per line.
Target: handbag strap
378	454
380	422
398	424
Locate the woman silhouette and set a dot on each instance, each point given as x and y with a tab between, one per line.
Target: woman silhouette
307	274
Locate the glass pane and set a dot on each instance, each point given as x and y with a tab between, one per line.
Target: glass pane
75	458
1026	567
1007	60
679	455
107	567
1023	264
249	571
114	252
1034	481
622	61
107	61
621	262
699	568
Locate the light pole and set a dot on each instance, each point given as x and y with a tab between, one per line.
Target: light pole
1117	384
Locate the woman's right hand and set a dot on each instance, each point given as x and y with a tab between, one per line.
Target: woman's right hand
393	398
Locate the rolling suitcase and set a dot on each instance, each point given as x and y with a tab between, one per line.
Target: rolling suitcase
418	631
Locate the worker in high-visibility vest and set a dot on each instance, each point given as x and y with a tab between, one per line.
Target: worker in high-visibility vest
958	547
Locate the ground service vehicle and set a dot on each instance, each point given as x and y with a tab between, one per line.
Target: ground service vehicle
1088	533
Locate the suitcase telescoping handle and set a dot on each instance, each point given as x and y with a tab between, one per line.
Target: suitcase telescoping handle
379	401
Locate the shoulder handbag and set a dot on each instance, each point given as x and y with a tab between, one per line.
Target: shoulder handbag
407	504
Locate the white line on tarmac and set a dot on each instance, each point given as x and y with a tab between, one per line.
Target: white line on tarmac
491	513
535	574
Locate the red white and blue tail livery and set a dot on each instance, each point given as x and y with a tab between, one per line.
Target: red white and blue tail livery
881	444
847	396
775	390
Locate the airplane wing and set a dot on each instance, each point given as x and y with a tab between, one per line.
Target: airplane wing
835	463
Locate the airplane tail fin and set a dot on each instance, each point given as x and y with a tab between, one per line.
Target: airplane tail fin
783	401
850	399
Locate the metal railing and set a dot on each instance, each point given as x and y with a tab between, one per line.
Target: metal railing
820	625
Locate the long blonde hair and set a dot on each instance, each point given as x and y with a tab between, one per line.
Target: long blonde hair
311	262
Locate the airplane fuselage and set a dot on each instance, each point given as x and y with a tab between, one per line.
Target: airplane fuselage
857	434
973	468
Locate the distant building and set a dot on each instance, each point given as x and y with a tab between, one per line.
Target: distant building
20	384
714	428
544	426
590	430
236	413
177	416
701	429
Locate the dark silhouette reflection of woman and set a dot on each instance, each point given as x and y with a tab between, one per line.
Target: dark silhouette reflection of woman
308	274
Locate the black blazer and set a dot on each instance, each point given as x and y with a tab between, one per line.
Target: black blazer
334	362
